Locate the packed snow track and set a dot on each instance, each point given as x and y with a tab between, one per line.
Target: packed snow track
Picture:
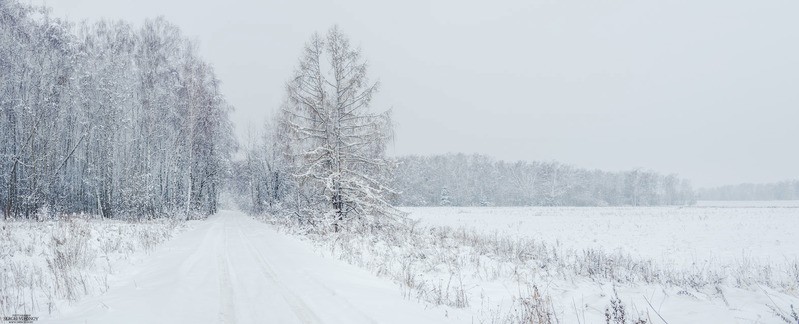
234	269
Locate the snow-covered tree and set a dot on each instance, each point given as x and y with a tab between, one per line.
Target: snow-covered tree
334	141
445	200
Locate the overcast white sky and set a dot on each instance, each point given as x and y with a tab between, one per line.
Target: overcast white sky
707	89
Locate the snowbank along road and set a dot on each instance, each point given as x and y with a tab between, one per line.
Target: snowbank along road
234	269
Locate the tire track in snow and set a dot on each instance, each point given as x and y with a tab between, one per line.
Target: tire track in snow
333	293
227	308
352	313
192	263
297	305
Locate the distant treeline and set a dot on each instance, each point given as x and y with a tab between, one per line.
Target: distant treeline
106	118
475	180
783	190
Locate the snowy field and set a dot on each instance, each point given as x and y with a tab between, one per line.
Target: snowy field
711	232
716	262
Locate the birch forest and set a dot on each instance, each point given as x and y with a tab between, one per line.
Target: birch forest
107	118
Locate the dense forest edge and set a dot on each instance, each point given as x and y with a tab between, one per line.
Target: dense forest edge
107	118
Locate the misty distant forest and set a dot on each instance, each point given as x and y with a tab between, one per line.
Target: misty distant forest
783	190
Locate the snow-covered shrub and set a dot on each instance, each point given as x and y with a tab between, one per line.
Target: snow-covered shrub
532	309
68	256
617	313
788	317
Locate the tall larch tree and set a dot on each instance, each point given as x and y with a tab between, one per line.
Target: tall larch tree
335	141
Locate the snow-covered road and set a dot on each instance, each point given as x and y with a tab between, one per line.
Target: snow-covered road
234	269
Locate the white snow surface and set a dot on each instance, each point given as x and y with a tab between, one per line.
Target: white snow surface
723	236
680	236
234	269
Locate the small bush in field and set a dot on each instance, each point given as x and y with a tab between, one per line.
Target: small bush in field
617	313
532	309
